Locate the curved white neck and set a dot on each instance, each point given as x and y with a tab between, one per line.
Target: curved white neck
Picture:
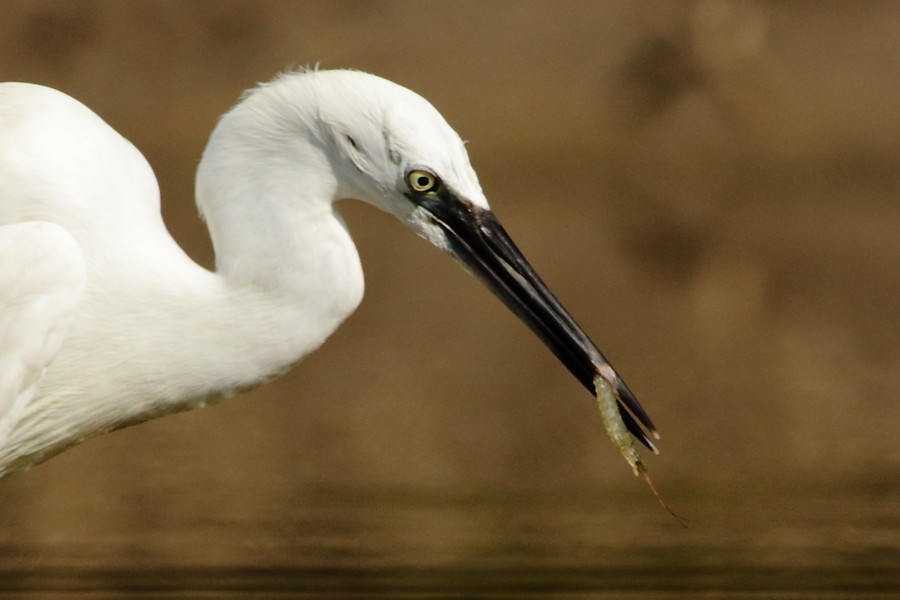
287	275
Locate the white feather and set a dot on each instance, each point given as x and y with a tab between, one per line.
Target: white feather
41	279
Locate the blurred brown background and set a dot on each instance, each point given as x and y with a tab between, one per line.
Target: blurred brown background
711	188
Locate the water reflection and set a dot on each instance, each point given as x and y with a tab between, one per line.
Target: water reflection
403	544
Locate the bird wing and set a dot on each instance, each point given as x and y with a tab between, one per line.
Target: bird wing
42	274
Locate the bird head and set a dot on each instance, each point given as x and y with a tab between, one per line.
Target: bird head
386	145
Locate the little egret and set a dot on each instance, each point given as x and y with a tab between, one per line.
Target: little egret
106	322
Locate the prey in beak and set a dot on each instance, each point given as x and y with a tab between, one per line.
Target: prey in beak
475	237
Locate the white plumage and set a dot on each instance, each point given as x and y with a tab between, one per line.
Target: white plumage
41	278
104	321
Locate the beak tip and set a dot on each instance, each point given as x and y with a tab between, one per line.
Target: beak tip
628	402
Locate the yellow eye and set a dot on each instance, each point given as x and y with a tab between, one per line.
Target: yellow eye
422	181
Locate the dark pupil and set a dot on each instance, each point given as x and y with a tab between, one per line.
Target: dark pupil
423	181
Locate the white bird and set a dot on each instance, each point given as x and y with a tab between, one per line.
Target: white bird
106	322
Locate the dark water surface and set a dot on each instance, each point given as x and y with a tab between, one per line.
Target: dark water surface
359	544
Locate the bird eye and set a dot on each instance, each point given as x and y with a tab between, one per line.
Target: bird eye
422	181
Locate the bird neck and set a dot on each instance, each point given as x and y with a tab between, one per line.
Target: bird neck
267	190
287	271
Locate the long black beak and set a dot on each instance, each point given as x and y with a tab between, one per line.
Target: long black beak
478	240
